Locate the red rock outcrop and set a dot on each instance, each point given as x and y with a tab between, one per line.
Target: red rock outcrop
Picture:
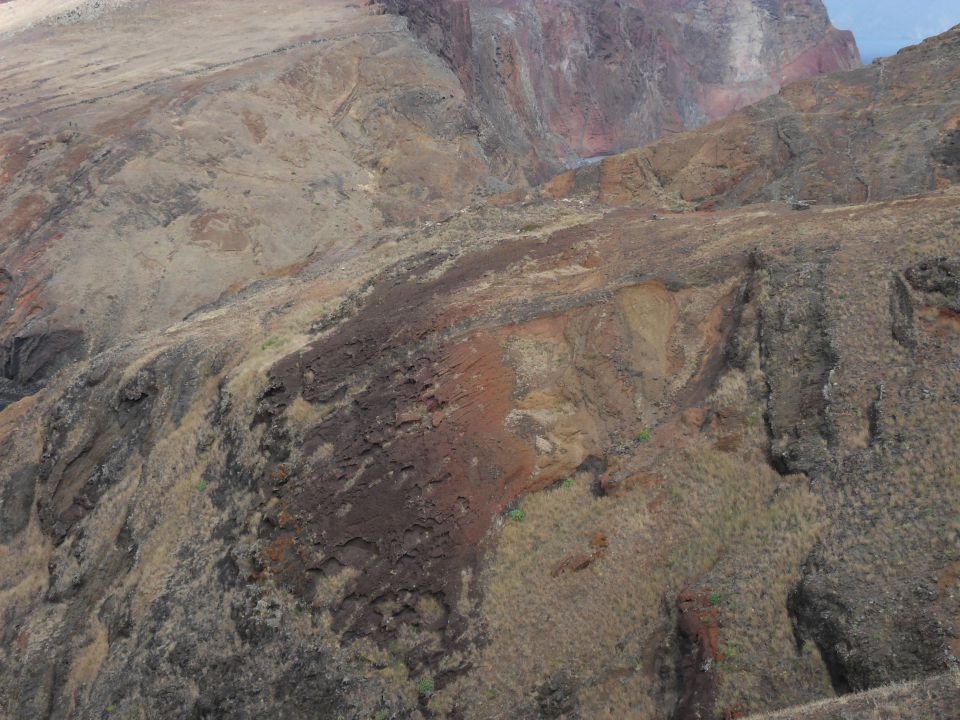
818	141
565	79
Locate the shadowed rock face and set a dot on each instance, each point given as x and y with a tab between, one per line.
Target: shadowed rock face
566	80
445	27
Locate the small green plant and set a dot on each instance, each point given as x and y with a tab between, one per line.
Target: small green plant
567	482
426	687
271	343
517	515
714	598
808	647
644	436
530	227
380	715
202	485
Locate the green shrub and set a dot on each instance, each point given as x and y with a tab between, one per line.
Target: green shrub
644	436
517	515
426	687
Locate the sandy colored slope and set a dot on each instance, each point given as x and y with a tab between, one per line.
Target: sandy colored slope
17	15
163	154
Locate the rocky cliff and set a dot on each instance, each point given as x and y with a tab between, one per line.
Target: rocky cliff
446	27
567	80
349	432
158	153
881	132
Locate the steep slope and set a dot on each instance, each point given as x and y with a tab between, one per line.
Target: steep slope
165	154
16	16
567	80
884	131
555	459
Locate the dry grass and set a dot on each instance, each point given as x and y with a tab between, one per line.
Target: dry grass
718	519
930	699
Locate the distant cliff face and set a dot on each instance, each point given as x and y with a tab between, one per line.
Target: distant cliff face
563	79
444	25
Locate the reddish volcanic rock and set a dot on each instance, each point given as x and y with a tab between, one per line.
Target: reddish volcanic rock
565	79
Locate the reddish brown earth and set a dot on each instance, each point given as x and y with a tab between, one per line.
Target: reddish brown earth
567	80
208	148
878	133
616	449
168	174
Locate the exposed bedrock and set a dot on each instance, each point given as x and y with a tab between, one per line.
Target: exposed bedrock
598	455
567	80
876	617
446	28
198	519
432	431
847	138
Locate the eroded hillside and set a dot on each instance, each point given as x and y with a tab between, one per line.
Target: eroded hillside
590	453
141	181
161	155
883	131
568	80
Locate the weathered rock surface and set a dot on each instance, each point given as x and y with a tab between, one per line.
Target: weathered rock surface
206	147
567	80
346	489
881	132
209	146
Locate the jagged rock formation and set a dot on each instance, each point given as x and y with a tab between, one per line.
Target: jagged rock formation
567	80
592	454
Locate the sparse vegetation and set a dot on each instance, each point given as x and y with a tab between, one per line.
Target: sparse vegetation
450	384
271	343
426	687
